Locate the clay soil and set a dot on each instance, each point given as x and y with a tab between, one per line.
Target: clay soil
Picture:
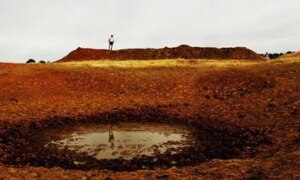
249	112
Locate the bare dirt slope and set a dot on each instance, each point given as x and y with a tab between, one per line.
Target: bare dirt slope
180	52
261	96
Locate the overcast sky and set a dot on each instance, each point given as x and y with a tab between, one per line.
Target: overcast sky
49	29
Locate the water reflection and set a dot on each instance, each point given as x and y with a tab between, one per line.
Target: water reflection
111	138
126	140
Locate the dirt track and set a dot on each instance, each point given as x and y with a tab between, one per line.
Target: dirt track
262	97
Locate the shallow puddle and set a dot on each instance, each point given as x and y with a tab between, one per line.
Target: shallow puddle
121	141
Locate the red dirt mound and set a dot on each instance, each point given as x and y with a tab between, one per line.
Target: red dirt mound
182	52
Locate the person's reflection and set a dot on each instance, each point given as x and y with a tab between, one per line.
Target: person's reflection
111	137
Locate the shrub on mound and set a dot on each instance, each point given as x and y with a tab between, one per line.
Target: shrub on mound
30	61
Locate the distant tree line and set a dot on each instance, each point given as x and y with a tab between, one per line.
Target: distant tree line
31	61
275	55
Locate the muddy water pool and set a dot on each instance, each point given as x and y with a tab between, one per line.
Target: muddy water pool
121	141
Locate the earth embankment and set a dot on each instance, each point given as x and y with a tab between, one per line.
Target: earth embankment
180	52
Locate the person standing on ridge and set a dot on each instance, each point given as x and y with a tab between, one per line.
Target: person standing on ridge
111	42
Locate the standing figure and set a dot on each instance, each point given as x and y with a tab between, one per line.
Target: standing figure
111	42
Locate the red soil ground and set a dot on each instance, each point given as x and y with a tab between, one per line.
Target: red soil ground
182	52
263	96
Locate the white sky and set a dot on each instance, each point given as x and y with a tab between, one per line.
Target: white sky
49	29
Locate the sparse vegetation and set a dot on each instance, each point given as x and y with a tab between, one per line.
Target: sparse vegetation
276	55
